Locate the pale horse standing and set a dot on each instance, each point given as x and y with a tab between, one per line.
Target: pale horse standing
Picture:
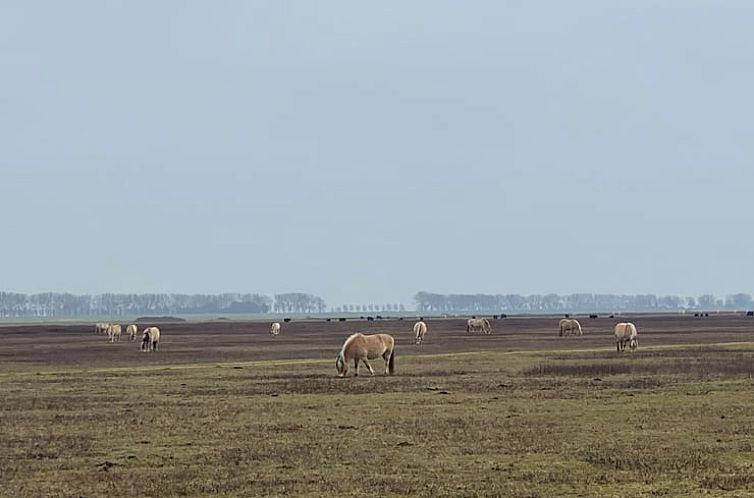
360	347
113	332
625	333
151	339
420	330
132	330
101	328
275	328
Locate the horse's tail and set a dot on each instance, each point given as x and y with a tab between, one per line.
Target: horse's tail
391	362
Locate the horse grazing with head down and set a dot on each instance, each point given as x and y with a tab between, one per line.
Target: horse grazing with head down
101	328
360	347
569	326
151	339
132	330
625	333
275	328
480	324
420	330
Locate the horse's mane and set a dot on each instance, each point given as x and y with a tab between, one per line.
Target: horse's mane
348	342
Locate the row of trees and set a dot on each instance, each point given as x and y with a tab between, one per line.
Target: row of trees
351	308
427	302
51	304
298	302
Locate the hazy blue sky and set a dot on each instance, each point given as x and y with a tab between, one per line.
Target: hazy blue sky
367	150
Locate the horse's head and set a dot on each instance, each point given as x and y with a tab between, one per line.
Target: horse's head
340	365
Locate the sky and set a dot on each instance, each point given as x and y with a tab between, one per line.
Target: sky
364	151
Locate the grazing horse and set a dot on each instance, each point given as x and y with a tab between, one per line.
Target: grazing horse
151	339
420	330
360	347
113	332
625	333
132	330
570	327
481	324
275	328
101	328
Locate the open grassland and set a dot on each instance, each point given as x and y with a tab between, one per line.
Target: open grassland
522	413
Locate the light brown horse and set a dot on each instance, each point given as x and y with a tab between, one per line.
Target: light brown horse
275	328
625	333
420	330
360	347
151	339
101	328
570	327
113	332
132	330
481	324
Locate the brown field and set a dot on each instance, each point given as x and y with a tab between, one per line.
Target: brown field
225	409
230	341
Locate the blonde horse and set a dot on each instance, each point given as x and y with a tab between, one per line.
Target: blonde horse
625	333
481	324
101	328
420	330
151	339
360	347
113	332
132	330
275	328
570	327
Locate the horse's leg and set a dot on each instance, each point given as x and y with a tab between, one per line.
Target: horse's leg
356	366
371	370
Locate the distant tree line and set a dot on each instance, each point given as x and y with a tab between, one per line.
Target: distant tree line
298	302
365	308
51	304
427	302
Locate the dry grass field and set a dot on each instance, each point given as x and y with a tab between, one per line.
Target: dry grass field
227	410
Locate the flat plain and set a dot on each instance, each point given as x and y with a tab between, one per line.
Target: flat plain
225	409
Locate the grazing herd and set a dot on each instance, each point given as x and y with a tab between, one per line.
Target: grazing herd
150	340
362	348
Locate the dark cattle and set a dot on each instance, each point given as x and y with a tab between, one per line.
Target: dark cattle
503	315
612	316
286	320
750	313
379	317
495	317
328	320
696	315
370	318
341	319
361	318
593	316
567	315
706	314
400	318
